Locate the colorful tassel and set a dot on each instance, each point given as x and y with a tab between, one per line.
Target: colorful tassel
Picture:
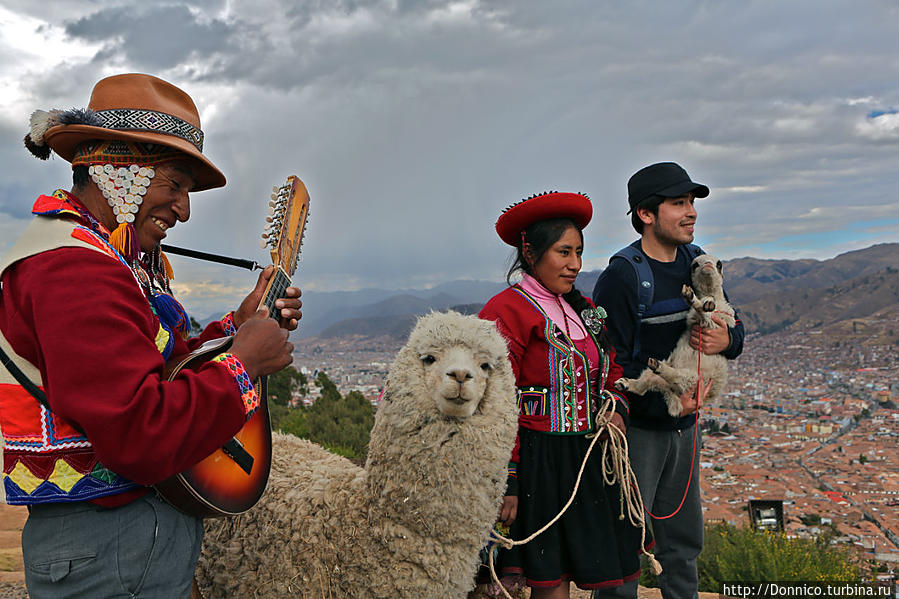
124	240
169	273
171	314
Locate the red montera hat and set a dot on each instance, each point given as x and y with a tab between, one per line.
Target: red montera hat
549	204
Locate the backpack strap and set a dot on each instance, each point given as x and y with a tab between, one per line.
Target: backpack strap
690	249
634	256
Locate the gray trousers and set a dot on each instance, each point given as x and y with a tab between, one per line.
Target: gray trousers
626	591
661	462
144	550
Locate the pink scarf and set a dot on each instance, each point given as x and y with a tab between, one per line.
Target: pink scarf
555	306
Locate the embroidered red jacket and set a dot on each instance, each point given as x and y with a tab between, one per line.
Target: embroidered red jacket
80	319
549	370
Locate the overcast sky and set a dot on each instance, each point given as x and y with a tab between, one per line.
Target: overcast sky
413	123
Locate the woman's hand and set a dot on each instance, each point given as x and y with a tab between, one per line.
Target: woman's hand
618	422
509	510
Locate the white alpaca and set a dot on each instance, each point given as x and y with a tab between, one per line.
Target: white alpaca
411	523
679	372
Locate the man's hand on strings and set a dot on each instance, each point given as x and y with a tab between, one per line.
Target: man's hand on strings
261	345
289	306
714	341
695	398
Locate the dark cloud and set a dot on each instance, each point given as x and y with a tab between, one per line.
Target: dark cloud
414	122
153	36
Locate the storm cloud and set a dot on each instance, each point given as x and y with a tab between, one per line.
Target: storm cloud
414	123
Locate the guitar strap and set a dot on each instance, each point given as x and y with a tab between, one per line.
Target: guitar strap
232	447
29	386
23	380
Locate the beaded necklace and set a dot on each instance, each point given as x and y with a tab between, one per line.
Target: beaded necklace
152	271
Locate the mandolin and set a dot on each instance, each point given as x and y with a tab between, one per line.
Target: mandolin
232	479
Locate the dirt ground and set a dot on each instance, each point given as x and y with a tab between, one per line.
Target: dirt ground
12	573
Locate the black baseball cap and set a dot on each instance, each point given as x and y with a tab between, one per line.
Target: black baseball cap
666	179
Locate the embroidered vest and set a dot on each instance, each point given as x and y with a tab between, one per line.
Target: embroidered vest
570	400
46	459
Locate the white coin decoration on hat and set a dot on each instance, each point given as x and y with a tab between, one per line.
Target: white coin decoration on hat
123	188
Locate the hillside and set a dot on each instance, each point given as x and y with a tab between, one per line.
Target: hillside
861	286
323	310
751	278
865	306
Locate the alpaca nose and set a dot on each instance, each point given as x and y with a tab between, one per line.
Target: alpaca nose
460	374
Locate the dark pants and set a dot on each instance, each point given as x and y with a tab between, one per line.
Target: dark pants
144	550
661	462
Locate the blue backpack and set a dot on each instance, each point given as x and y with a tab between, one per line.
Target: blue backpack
636	258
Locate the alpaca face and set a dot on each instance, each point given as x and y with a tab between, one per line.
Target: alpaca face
456	378
707	274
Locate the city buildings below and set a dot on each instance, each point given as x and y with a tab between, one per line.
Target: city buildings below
808	423
812	423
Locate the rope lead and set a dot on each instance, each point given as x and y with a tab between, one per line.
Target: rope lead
616	467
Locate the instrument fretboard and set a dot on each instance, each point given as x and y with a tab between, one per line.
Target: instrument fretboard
277	290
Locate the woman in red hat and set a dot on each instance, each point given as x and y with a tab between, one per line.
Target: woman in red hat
565	370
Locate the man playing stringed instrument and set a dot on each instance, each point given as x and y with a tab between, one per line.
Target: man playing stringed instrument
87	316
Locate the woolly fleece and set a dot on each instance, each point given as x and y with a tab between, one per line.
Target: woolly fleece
408	525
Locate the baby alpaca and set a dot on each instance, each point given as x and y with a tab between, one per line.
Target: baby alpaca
410	524
679	372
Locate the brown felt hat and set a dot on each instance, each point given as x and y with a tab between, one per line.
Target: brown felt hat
129	107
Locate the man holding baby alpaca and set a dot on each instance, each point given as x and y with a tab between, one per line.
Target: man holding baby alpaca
641	290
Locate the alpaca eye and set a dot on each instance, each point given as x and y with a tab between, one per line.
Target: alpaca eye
486	367
718	265
694	266
428	359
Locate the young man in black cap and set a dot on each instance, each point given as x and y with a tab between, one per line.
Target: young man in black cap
641	291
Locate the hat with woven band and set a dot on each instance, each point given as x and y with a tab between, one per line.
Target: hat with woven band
130	107
550	204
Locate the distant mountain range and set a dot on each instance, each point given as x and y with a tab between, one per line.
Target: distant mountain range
375	312
861	286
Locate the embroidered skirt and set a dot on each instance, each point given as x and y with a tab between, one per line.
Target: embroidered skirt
589	545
